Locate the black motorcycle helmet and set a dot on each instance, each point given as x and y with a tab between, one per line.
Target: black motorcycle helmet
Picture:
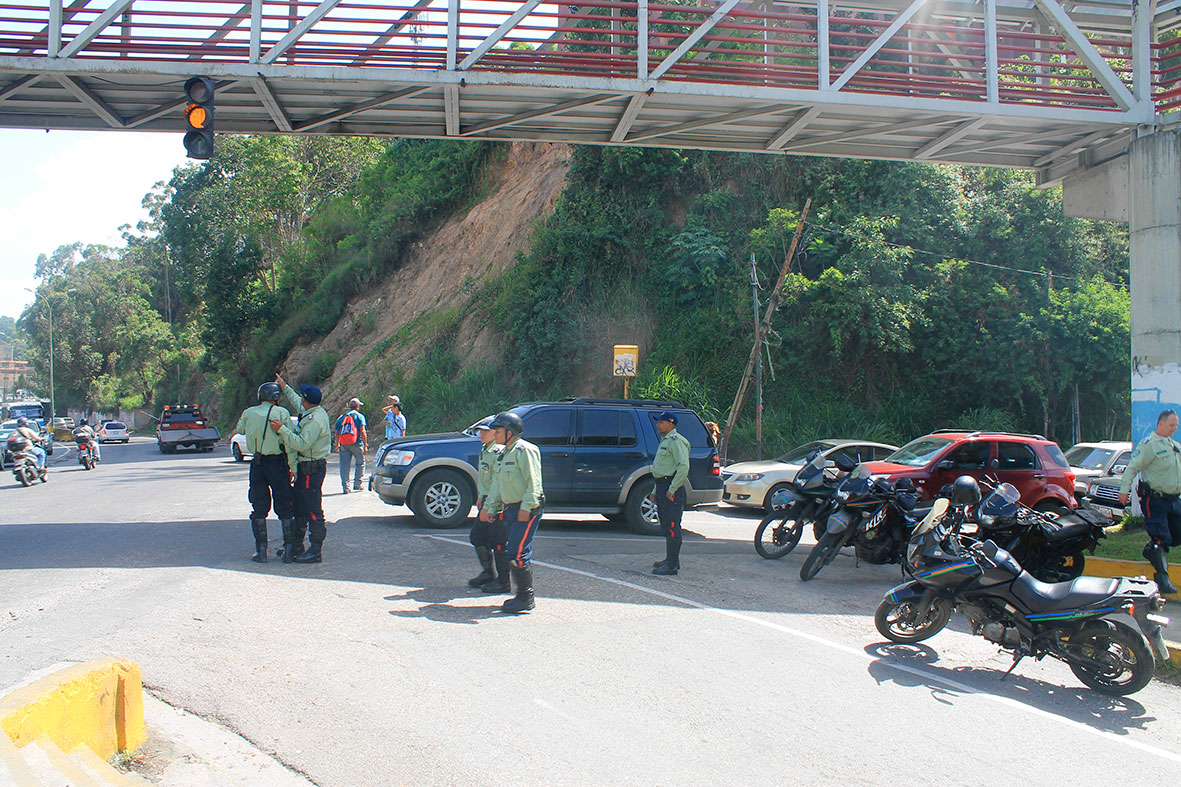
509	421
270	392
965	491
83	422
22	421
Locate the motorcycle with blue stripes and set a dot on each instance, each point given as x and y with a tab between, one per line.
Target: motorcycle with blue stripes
1105	630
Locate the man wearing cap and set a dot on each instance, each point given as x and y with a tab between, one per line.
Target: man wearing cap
516	493
670	468
349	432
395	421
495	575
270	467
310	442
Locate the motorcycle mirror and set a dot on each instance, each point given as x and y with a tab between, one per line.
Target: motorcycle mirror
844	462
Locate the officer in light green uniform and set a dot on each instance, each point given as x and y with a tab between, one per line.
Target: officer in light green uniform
309	443
670	468
517	494
270	467
494	578
1158	461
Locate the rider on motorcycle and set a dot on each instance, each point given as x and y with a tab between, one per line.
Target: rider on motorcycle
30	434
84	435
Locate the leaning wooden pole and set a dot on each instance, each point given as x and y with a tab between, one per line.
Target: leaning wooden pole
761	331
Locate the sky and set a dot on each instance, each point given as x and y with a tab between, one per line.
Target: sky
66	186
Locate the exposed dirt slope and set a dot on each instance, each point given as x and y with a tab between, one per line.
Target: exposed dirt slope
438	273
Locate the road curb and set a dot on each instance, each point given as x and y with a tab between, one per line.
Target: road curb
98	704
1113	567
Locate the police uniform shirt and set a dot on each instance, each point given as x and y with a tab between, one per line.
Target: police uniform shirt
1158	461
261	440
517	478
672	460
486	467
312	437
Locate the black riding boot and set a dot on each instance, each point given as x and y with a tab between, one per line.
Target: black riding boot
290	548
1154	553
523	601
484	555
672	563
311	554
259	527
501	583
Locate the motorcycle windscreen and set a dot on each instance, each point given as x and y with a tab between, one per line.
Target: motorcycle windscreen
1001	503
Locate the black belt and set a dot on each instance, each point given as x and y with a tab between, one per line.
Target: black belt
312	465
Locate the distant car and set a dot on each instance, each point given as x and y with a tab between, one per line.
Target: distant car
1091	461
1103	494
6	430
238	444
1033	464
114	432
755	484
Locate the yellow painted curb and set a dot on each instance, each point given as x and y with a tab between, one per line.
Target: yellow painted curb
1112	567
98	703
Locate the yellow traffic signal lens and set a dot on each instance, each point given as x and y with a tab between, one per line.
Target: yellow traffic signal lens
197	116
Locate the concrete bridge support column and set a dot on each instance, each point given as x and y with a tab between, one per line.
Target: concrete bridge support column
1154	218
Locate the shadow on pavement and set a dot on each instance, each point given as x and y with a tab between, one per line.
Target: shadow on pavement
918	666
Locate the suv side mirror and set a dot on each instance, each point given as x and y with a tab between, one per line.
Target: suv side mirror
1119	469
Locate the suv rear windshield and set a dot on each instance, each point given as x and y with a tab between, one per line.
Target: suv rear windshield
114	425
920	452
1087	457
1056	455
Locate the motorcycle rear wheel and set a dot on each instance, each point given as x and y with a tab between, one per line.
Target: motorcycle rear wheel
25	477
893	620
825	551
778	533
1111	659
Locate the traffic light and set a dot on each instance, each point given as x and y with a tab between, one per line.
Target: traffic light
199	118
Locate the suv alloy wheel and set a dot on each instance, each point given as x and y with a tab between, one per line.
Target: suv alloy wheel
442	498
641	510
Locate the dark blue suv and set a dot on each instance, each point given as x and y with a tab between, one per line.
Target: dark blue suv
596	457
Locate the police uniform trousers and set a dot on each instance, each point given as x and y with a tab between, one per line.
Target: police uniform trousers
270	482
482	534
668	511
309	505
1162	519
517	536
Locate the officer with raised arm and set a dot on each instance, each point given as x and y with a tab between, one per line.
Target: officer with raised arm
1158	462
516	493
670	468
309	443
270	467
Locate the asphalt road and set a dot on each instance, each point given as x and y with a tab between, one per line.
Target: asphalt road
380	667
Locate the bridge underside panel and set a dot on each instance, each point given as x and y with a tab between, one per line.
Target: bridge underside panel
1014	83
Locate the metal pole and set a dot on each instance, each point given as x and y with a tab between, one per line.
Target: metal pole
52	400
754	293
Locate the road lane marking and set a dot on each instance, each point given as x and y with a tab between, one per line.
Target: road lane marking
962	688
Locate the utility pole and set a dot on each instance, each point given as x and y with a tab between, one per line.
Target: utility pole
754	293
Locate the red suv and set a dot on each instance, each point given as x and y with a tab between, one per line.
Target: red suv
1033	464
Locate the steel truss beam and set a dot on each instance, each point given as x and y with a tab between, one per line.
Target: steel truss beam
78	42
296	33
878	43
717	120
403	22
955	135
232	23
169	106
693	38
271	102
634	105
372	103
1087	53
565	106
92	100
28	80
494	38
890	128
785	134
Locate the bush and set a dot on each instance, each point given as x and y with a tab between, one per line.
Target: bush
322	366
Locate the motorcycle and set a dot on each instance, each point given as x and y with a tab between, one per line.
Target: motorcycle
1108	631
86	456
24	464
1048	546
808	500
873	516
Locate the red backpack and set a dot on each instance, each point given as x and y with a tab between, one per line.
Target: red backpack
348	430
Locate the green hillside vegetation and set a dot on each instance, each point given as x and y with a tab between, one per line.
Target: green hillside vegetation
922	296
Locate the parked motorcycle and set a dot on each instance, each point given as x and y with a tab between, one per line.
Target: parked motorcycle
24	464
872	515
808	500
86	454
1106	630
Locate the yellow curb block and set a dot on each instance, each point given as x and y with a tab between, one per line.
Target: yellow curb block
1112	567
98	704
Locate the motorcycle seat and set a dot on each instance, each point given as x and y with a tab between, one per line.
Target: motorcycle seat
1051	596
1065	531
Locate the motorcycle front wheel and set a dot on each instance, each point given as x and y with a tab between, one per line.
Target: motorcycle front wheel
778	533
825	551
895	620
1111	659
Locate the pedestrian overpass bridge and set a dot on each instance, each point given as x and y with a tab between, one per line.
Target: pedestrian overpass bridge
1042	84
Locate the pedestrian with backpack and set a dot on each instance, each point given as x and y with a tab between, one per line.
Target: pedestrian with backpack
350	435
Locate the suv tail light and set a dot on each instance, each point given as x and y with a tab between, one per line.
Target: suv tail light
717	468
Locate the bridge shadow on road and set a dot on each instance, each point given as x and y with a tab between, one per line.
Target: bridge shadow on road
918	666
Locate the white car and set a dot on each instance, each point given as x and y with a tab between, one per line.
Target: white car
755	484
113	432
1091	461
238	443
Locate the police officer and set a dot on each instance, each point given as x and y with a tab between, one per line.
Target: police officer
670	468
270	467
310	443
1158	461
494	580
515	498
